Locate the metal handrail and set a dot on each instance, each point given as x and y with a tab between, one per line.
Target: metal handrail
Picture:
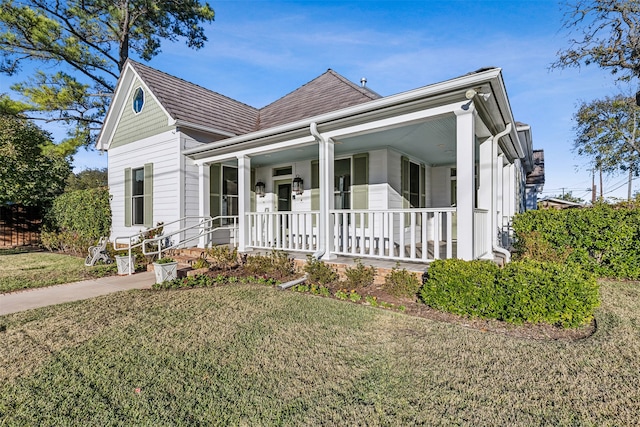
206	226
137	238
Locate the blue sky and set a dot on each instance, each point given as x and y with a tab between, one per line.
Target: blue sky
259	51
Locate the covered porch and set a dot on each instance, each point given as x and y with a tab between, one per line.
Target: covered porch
414	177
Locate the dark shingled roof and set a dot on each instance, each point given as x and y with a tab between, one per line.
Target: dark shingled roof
328	92
195	104
536	176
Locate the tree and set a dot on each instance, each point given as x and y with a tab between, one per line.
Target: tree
27	175
607	133
84	45
88	178
569	197
608	35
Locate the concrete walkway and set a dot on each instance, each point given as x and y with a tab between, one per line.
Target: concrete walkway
41	297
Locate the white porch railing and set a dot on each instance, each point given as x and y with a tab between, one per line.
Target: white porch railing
398	234
291	231
481	233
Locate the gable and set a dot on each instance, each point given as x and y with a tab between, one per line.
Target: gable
132	126
190	104
326	93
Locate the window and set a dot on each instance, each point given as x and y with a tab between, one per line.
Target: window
138	196
138	100
224	192
413	184
282	171
229	191
342	183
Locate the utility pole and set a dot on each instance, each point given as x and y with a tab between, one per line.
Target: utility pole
593	187
601	189
630	179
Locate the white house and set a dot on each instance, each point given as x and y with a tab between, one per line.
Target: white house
329	169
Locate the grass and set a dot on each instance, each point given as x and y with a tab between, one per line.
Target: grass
250	355
24	270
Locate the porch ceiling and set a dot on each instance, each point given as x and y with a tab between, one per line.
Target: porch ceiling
432	141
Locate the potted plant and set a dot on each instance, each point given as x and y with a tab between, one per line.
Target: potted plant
126	265
166	269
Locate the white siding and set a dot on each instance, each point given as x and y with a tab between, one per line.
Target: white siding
163	151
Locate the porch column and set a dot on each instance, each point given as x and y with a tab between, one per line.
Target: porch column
204	201
327	202
486	191
465	195
244	201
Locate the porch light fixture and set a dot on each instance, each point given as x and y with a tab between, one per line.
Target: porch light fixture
260	189
297	185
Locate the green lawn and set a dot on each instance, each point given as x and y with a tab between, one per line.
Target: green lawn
23	270
251	355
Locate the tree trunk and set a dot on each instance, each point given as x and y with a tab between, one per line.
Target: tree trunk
124	35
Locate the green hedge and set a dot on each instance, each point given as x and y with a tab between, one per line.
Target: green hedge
602	239
77	220
523	291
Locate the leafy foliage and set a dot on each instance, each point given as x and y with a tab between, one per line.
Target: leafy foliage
608	35
523	291
401	283
28	176
319	272
276	264
88	178
558	294
77	220
602	239
607	133
87	44
463	287
359	276
223	256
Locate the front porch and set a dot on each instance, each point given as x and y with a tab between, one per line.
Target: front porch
412	235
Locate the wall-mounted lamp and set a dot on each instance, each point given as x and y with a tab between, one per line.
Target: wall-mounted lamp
260	189
297	185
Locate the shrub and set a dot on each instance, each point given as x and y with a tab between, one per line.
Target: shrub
77	220
200	263
602	239
523	291
197	281
463	287
276	264
401	283
319	272
223	256
165	260
359	276
558	294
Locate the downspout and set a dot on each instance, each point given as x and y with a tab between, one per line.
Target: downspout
313	128
496	248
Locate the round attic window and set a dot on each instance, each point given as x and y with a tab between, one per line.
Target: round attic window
138	100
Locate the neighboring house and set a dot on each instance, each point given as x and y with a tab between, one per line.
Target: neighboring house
329	169
553	203
535	180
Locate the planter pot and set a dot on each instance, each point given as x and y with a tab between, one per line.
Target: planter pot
125	264
165	272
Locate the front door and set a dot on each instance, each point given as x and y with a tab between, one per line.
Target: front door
284	197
